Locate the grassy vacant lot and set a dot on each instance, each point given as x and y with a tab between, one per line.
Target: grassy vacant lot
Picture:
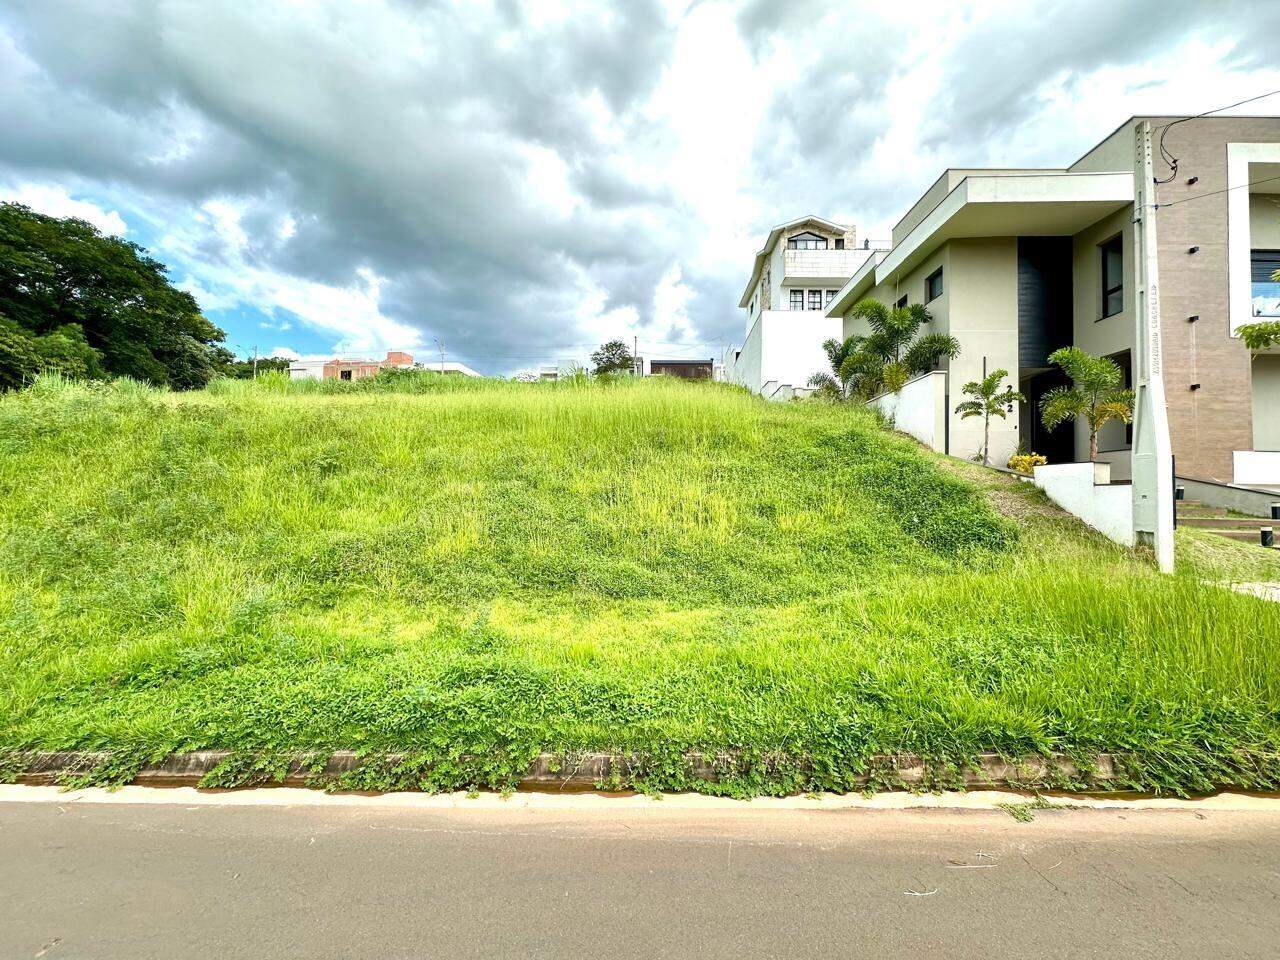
470	573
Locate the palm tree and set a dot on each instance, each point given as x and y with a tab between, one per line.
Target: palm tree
989	400
855	371
885	359
1095	394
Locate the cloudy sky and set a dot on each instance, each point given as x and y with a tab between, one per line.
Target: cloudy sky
524	180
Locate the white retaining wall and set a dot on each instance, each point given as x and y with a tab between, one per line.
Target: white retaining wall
1106	508
919	409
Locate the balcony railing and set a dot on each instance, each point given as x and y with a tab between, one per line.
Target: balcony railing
822	263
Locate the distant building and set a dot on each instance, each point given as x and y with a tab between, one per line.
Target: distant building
358	369
797	273
677	367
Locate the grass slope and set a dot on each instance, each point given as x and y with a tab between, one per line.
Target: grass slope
470	573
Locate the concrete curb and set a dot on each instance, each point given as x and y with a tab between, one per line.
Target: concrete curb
584	771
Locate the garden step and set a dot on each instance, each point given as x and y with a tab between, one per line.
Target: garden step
1203	512
1227	523
1249	536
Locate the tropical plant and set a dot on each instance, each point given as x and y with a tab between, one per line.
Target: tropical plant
1095	394
988	400
884	360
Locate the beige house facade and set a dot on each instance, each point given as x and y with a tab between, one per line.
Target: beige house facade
1157	271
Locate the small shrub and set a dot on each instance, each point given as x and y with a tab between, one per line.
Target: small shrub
1027	462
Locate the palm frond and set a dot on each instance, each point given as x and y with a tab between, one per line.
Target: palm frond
1059	405
926	351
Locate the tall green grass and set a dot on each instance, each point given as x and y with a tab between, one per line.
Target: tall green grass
471	572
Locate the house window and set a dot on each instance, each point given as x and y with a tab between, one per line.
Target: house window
840	244
797	299
831	295
1112	276
806	241
933	286
344	374
815	299
902	302
1264	291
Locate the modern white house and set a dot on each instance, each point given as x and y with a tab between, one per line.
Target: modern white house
794	278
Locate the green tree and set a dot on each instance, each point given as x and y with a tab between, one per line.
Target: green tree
988	400
884	360
22	355
1095	394
63	279
613	357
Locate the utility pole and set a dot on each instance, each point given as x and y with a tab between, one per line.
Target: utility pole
255	357
440	347
1152	449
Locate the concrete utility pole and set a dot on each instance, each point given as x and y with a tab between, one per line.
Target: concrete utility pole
440	347
1152	450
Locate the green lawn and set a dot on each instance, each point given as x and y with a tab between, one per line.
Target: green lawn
473	572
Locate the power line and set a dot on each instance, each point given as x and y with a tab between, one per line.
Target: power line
1214	193
1169	158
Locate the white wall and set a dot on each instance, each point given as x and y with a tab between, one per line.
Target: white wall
919	409
1240	239
1256	469
1108	509
784	347
307	369
1266	402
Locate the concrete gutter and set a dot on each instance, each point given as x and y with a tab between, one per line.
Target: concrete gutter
585	771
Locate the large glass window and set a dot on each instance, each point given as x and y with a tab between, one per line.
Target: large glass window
806	241
1112	276
797	299
831	295
815	299
1265	289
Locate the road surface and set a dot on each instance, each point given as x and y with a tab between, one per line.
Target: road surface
588	878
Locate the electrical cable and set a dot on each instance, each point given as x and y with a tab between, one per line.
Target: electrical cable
1169	158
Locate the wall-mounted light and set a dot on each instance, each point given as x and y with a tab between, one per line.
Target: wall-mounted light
1191	180
1195	386
1193	318
1195	249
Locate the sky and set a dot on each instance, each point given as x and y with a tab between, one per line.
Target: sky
515	183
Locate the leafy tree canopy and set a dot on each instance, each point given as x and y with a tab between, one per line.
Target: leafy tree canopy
94	306
612	357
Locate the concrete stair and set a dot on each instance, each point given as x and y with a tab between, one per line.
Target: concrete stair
1193	513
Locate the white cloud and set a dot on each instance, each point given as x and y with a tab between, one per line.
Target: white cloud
56	201
525	180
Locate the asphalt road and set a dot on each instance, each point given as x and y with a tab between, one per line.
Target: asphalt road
90	880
